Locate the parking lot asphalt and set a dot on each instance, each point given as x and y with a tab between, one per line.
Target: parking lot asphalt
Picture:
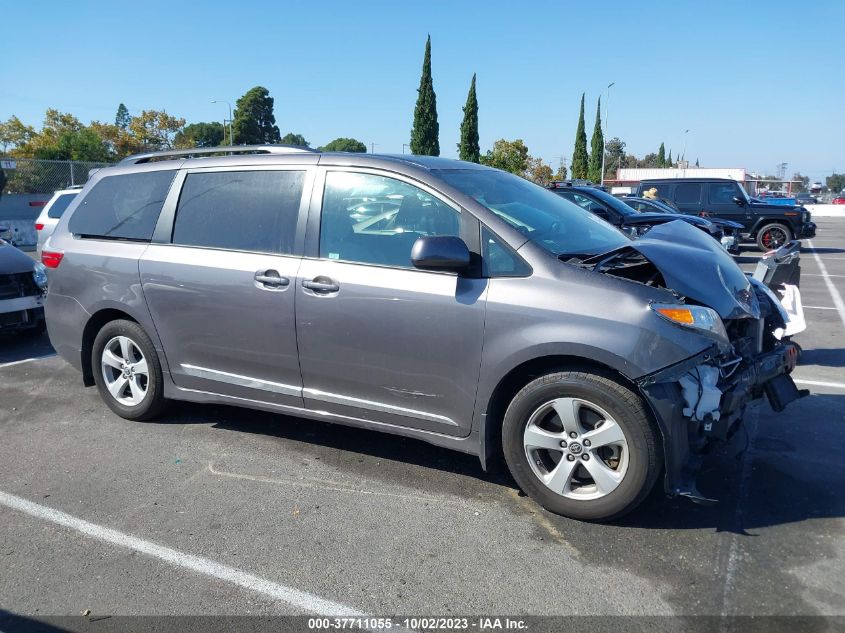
385	525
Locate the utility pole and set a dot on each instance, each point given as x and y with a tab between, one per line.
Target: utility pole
372	148
604	146
231	135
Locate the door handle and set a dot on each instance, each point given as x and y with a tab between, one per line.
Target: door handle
271	279
323	285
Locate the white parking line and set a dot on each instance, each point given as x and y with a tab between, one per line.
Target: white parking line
25	360
290	596
834	293
820	383
819	275
817	308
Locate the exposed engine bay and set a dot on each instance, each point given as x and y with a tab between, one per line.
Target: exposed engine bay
752	356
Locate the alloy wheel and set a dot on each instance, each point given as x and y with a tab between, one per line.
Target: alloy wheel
576	448
125	371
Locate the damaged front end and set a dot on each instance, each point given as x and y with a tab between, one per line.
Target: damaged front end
700	401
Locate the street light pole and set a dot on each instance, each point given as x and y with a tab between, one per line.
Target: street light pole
684	154
231	135
604	145
404	145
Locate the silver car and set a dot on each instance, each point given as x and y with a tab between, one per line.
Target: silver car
470	309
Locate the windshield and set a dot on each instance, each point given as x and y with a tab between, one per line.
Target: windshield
555	224
611	201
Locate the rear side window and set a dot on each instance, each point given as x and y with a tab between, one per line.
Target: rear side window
122	207
59	205
723	193
252	211
688	193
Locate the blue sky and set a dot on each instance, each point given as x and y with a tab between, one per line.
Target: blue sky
756	83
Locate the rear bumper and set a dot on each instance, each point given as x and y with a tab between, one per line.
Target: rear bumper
66	320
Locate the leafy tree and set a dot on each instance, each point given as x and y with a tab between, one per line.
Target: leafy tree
651	160
614	156
345	145
596	148
254	122
294	139
538	171
661	156
155	130
425	133
511	156
84	144
669	162
122	118
579	156
468	148
835	182
199	135
14	133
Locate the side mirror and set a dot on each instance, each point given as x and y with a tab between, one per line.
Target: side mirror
739	201
440	252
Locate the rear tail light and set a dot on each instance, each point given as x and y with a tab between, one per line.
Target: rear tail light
39	226
51	259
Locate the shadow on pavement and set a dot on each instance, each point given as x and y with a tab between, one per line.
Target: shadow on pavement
15	347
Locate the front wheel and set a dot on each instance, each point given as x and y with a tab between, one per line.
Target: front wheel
127	371
772	236
582	445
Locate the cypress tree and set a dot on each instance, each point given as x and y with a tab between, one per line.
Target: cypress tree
468	148
661	156
579	156
696	162
669	162
426	131
596	148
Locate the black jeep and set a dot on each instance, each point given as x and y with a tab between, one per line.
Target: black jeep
770	225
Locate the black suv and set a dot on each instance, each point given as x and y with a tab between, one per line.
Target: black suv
770	225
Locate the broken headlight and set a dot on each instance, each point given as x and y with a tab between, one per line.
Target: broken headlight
693	317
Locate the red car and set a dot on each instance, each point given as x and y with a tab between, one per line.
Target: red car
838	200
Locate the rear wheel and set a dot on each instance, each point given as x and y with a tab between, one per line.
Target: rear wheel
773	236
582	445
127	371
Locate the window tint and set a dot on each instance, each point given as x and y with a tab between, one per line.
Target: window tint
499	258
59	205
122	207
723	193
240	210
376	220
688	193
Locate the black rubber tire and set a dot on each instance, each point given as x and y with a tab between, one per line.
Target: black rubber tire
626	407
154	402
772	225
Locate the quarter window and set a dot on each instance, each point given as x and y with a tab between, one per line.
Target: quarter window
61	203
499	258
253	211
122	207
688	193
376	219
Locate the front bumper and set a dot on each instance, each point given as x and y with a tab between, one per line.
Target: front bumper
808	230
685	439
21	313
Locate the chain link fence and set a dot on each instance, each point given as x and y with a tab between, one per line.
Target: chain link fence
30	175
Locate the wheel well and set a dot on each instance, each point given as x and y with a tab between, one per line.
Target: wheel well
94	325
520	376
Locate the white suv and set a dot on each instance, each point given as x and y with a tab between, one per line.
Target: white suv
50	214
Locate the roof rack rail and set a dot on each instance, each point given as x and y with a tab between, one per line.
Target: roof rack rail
147	157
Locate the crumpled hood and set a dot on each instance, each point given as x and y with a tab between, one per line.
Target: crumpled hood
694	265
14	261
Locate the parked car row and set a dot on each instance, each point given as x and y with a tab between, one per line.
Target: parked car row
431	298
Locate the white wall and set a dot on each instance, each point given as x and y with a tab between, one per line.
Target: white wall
826	210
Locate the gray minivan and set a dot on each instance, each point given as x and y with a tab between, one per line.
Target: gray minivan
432	298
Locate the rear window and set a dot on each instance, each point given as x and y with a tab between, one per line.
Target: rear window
252	211
688	193
123	207
59	205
